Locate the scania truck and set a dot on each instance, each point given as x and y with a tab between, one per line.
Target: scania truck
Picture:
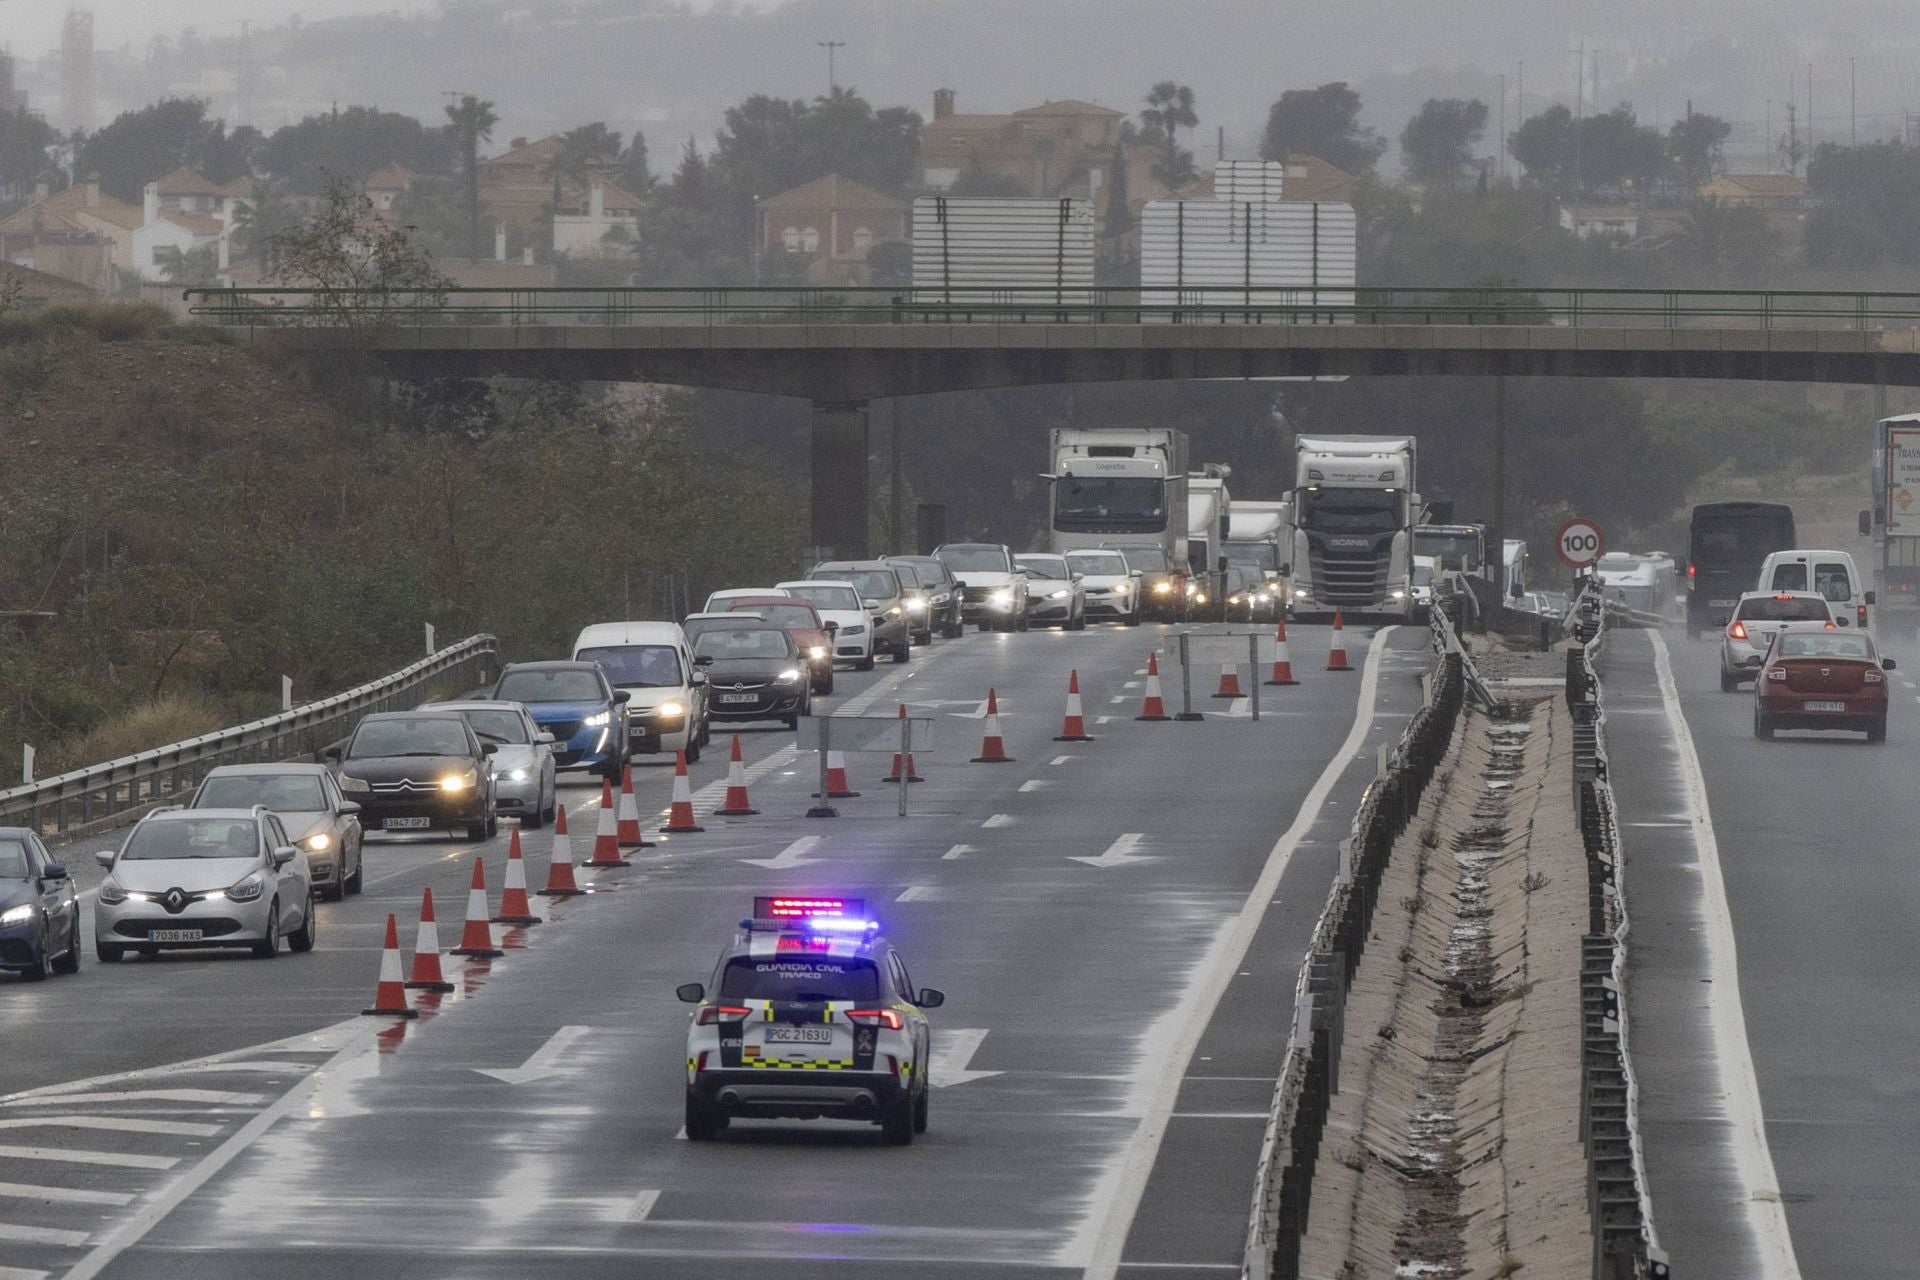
1896	518
1354	509
1125	489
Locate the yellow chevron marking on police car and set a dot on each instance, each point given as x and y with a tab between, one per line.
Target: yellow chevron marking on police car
844	1065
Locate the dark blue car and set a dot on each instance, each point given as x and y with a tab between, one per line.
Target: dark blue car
39	914
572	701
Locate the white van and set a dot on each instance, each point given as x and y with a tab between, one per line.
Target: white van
1831	573
651	662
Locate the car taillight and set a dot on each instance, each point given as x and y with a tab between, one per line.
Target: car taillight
700	1064
1691	571
874	1018
1873	677
1738	631
1777	674
712	1013
1863	615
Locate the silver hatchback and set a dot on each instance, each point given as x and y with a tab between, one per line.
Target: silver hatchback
205	878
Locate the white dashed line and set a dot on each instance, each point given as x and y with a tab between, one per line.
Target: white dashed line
998	820
918	893
1059	759
42	1235
117	1124
114	1159
63	1195
642	1206
1035	784
954	853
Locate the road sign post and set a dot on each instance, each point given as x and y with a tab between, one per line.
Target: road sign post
1579	543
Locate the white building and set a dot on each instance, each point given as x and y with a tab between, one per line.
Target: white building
184	211
580	230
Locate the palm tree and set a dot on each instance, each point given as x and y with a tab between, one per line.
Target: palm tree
473	120
1169	108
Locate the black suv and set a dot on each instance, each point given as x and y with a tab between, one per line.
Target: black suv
418	771
942	594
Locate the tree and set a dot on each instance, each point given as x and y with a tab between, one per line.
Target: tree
1436	147
1323	122
634	174
351	143
1693	147
365	265
472	121
138	146
1722	240
24	140
582	150
198	268
1867	205
1169	109
1543	144
1610	151
1119	200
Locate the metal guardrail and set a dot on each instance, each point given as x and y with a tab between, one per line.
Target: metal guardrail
1050	304
1310	1072
1625	1245
102	792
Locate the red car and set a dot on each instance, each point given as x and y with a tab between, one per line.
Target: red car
802	622
1817	678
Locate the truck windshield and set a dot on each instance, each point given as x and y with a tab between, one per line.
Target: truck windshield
1264	554
1350	510
1109	502
1736	537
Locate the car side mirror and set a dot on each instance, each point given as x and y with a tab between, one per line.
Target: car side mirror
831	626
690	992
348	808
931	998
53	871
1870	598
1866	524
698	677
104	857
1515	592
329	753
1285	570
543	739
622	696
283	855
706	659
488	748
1886	664
871	604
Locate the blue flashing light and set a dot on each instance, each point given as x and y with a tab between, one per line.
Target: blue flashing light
838	924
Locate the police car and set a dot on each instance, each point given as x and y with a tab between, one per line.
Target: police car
810	1013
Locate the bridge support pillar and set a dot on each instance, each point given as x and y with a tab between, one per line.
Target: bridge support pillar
841	497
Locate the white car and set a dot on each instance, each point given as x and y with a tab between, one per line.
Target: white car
1054	591
1112	589
524	774
652	664
843	614
307	800
717	602
993	590
196	879
1745	639
1829	573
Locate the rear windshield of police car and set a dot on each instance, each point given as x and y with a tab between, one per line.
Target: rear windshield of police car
800	978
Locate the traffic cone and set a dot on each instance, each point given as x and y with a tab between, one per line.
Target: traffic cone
606	840
514	907
390	996
838	788
1337	656
913	774
1075	727
426	975
1155	707
476	940
1282	658
1229	682
560	881
993	749
737	805
627	829
680	813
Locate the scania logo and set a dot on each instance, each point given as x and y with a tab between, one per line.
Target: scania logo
1348	542
175	901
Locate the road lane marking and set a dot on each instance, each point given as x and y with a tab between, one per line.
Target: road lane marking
998	820
1102	1237
21	1273
1116	700
63	1195
1059	759
794	855
952	1051
1128	684
1118	854
111	1159
1035	784
1103	719
955	852
642	1206
116	1124
214	1097
1217	1115
1733	1057
918	893
42	1235
542	1062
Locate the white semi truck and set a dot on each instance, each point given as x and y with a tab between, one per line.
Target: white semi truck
1354	508
1126	489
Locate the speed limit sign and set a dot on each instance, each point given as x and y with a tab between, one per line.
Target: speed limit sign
1579	543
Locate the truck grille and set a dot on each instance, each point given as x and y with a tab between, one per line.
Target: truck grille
1343	577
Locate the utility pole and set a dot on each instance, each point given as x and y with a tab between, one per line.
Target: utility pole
1809	112
833	84
1853	102
1579	110
1500	156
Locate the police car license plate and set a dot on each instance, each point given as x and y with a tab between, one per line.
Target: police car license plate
739	697
174	935
406	824
799	1035
1826	706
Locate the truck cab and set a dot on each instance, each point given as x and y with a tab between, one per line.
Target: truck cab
1355	506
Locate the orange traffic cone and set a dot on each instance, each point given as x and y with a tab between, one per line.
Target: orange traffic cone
913	774
390	996
680	813
606	840
1074	729
838	788
1155	707
476	940
627	829
426	975
1229	682
1282	658
514	907
560	881
737	805
1337	656
993	749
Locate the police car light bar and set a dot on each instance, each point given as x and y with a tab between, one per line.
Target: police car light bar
809	908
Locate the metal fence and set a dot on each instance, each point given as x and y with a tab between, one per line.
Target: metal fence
1042	303
118	791
1310	1073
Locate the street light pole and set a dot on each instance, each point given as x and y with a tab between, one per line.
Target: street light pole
833	84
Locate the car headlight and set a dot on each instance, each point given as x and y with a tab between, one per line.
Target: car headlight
599	721
670	710
319	842
1001	599
1300	593
790	676
1059	595
1162	588
111	894
1397	595
353	786
1119	588
459	781
517	775
918	606
1200	597
817	652
16	915
247	888
1233	599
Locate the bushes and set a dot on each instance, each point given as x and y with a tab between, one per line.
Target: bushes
101	321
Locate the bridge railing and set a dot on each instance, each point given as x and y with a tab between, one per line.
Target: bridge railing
617	307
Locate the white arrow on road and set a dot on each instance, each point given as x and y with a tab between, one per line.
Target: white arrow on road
1119	853
544	1062
952	1051
794	855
